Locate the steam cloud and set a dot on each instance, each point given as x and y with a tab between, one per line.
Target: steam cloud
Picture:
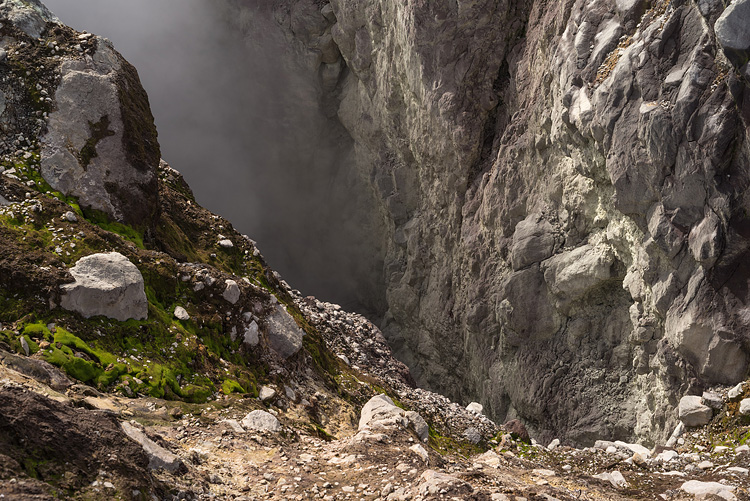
246	131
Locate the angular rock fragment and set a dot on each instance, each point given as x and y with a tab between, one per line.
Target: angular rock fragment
158	456
692	412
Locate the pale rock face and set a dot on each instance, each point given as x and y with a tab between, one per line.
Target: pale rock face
106	284
284	335
181	313
706	489
251	336
91	149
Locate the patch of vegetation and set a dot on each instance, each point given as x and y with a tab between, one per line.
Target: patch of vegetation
447	445
103	221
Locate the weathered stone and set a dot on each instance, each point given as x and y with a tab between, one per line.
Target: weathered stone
37	369
158	456
475	407
433	483
231	291
712	399
266	393
251	336
745	406
516	427
181	313
692	412
379	409
614	477
421	428
284	335
91	149
106	284
736	392
261	421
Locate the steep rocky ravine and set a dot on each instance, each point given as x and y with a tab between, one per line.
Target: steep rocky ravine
561	189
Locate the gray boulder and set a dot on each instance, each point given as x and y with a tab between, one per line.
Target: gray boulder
261	421
158	456
39	370
106	284
100	144
284	335
692	412
712	400
733	33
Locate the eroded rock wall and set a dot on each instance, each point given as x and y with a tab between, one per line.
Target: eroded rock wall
561	189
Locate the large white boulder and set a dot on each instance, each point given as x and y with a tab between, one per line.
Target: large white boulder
381	412
106	284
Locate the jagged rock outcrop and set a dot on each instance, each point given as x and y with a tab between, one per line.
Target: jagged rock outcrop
562	191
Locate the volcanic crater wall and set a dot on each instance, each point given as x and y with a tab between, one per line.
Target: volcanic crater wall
559	191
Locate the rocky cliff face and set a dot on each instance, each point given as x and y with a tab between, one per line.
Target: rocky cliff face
561	189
